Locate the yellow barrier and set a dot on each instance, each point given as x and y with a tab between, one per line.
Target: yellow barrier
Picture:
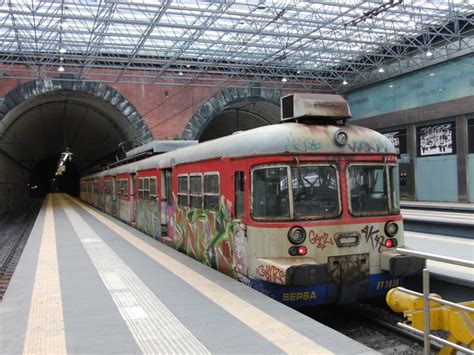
458	323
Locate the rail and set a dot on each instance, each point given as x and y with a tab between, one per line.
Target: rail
427	298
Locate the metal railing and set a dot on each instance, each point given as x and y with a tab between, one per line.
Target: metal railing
427	298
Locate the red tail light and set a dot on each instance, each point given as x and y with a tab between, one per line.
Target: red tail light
391	243
295	251
302	250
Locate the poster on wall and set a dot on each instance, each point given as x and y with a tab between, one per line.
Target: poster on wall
437	139
399	140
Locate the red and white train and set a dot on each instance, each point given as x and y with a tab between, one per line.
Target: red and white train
306	211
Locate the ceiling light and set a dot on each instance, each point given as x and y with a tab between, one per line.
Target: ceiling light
345	82
390	86
62	50
188	66
284	80
381	70
180	73
261	5
411	23
432	74
298	72
61	68
429	53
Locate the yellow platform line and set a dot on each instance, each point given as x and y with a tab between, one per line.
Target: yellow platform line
45	330
278	333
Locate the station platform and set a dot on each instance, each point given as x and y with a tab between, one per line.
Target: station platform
87	283
434	205
449	246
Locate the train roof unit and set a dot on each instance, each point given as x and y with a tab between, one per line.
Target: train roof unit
314	107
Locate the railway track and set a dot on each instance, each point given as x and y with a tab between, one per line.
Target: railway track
371	324
16	227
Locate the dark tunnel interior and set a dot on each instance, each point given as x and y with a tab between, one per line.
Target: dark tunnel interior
35	133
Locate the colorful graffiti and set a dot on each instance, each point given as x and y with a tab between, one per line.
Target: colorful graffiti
212	237
271	273
148	218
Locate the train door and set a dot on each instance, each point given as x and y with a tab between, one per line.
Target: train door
114	195
166	198
133	199
239	238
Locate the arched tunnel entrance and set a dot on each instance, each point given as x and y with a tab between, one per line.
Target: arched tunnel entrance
89	123
241	117
232	110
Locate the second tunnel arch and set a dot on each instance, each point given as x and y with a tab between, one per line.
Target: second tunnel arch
232	98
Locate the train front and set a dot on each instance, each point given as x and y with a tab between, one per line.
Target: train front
326	221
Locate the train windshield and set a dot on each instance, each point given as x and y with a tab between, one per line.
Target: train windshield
313	193
373	189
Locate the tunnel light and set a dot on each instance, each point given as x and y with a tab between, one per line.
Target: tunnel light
345	82
65	156
381	70
284	80
63	50
429	53
61	68
180	73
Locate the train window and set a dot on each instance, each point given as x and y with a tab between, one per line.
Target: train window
183	190
195	187
270	197
368	189
140	188
395	189
315	191
239	194
146	188
123	188
152	187
211	192
166	185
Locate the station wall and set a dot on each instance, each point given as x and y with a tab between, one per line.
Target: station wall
430	114
13	184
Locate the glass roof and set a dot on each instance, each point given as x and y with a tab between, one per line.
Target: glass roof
313	44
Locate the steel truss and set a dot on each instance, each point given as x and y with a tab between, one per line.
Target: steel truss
302	45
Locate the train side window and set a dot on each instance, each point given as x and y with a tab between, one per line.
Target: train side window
125	188
152	188
146	188
211	192
239	194
166	186
119	188
195	192
140	188
183	190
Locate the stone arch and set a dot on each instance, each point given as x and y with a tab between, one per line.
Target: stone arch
98	90
223	100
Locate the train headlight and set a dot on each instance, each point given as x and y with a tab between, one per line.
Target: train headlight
391	228
296	235
340	137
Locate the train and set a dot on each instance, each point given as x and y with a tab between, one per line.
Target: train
306	211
